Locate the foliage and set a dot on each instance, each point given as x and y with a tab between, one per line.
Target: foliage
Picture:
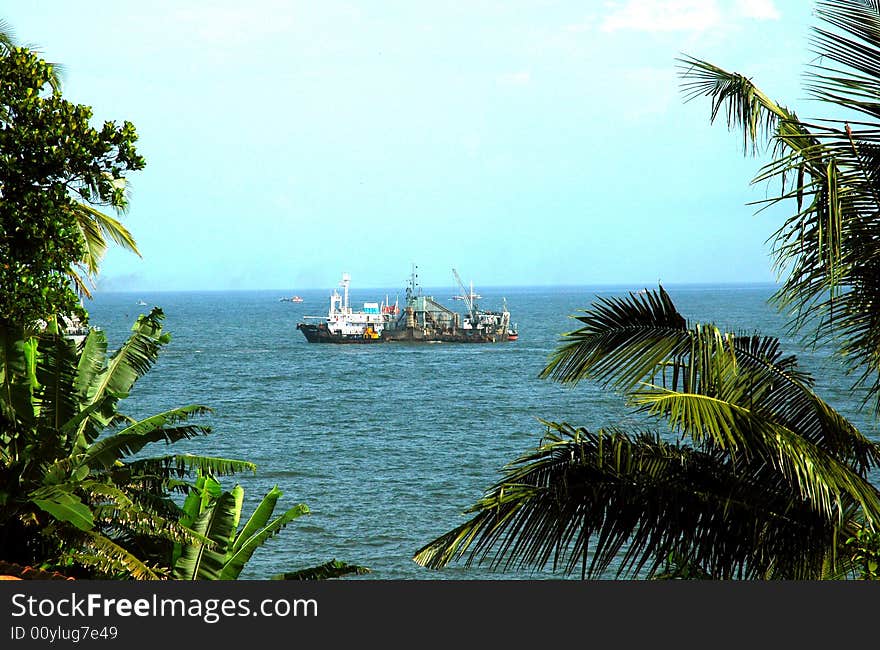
766	481
73	497
827	173
332	569
865	549
215	514
54	169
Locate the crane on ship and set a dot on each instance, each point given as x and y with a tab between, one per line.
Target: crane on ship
468	297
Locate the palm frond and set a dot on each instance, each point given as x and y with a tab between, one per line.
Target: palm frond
622	341
180	465
852	40
64	504
95	227
746	107
815	475
587	502
92	360
136	521
826	250
626	343
258	530
56	373
17	376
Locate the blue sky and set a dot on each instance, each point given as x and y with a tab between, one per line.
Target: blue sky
521	142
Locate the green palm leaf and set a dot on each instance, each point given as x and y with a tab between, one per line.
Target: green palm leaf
585	502
17	376
628	342
826	250
622	341
95	227
814	474
180	465
92	361
64	506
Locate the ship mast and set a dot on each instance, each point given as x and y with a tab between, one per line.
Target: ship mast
346	280
413	284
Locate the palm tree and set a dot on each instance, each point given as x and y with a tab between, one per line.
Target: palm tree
73	498
766	480
828	170
96	228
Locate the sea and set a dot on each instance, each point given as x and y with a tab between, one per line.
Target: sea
389	444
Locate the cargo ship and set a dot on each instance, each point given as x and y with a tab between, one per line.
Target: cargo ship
422	320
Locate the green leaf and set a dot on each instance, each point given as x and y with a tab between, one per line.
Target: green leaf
133	438
245	546
328	570
69	508
217	523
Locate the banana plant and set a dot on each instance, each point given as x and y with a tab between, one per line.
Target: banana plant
71	495
215	514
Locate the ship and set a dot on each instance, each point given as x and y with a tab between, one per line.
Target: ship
291	299
342	324
422	320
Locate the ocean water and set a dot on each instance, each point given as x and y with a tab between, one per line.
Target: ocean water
388	444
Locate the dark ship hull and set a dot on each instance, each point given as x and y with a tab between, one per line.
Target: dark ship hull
319	333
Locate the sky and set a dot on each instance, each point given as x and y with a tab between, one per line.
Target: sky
521	142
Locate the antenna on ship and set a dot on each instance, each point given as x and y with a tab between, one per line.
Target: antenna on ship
346	280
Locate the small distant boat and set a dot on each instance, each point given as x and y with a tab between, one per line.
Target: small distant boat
142	303
512	335
291	299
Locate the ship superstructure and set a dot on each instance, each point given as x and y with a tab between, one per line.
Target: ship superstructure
345	325
423	319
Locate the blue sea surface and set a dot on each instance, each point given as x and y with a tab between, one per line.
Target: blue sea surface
388	444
